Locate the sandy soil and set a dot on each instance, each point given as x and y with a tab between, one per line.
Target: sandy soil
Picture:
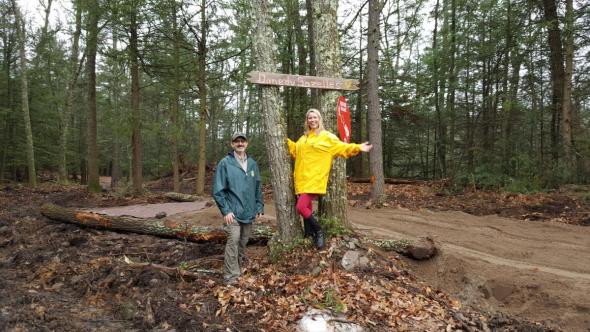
539	270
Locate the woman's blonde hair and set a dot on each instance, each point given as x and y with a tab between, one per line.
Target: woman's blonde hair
320	124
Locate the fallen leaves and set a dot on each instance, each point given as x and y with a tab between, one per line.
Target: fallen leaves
366	299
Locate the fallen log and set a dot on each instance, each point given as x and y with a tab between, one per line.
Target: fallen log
387	180
422	249
149	226
180	197
172	229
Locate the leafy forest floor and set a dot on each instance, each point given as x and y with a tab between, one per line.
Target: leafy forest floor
501	272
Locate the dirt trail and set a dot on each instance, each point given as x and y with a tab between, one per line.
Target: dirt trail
539	270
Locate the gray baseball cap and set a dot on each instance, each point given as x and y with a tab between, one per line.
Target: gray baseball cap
236	135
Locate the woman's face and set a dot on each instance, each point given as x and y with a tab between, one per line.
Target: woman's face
313	121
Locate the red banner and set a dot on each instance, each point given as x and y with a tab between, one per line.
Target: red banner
343	115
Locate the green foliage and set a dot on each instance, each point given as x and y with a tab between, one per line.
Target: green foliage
333	227
332	301
523	186
278	250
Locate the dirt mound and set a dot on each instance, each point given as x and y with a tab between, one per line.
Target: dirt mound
61	277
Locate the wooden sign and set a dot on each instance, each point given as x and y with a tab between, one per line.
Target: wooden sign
301	81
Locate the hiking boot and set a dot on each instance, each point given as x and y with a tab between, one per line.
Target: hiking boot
231	282
319	239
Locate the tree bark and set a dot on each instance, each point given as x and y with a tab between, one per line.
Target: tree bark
327	47
175	109
157	227
202	85
91	125
289	226
557	73
440	144
375	136
136	145
566	118
311	50
73	73
30	149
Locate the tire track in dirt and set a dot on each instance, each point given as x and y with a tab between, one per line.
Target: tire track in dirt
489	258
538	270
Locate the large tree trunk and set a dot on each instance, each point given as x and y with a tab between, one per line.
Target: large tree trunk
70	94
311	50
375	136
566	118
136	146
557	73
116	172
20	28
91	126
274	126
439	163
157	227
327	43
202	85
359	163
450	101
174	110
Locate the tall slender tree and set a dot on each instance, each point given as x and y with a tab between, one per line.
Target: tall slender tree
202	86
73	74
566	124
136	142
30	149
91	129
375	136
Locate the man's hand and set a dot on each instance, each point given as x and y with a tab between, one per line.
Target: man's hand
229	218
258	215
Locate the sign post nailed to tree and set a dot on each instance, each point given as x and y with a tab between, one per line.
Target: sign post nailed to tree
335	207
300	81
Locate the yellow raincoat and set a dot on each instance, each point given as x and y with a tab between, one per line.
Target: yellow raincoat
313	154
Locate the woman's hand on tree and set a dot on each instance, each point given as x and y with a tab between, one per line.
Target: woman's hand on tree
366	147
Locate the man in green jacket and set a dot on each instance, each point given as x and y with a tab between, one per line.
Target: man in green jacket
237	192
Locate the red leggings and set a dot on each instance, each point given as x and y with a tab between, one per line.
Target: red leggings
304	204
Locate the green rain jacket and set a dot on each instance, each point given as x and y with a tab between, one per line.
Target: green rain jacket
237	191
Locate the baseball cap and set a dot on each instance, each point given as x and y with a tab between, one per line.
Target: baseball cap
236	135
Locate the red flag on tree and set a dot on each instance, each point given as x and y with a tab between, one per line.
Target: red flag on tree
343	116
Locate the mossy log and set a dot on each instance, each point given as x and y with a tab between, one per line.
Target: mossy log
149	226
180	197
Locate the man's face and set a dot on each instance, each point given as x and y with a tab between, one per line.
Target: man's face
239	144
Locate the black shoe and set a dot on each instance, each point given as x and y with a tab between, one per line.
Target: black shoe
319	239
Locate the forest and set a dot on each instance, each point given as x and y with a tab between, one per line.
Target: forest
468	213
493	94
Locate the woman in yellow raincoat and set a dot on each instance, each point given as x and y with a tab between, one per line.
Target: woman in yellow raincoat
313	154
